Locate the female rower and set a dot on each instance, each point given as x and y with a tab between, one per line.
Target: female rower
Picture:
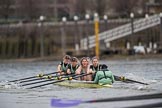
63	66
95	67
104	76
73	66
84	69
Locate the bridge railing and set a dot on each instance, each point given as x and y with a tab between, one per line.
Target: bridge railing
122	31
138	25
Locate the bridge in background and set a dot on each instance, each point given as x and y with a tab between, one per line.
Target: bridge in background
122	31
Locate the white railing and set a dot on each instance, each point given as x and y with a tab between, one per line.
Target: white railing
122	31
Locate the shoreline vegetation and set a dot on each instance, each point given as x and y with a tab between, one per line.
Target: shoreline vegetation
105	57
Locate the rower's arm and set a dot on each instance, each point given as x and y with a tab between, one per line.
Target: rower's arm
78	71
59	68
88	69
91	71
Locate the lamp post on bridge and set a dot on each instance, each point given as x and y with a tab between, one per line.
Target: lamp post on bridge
76	33
129	41
106	21
160	39
41	19
87	17
147	32
105	17
132	28
63	42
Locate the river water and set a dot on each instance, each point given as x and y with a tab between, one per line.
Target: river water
145	70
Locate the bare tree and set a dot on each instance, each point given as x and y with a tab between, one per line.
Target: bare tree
81	6
91	6
30	9
100	6
5	8
124	7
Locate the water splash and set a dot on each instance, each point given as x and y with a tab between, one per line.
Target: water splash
10	85
140	78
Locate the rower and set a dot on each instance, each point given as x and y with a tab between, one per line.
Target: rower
73	66
84	69
95	67
63	66
104	76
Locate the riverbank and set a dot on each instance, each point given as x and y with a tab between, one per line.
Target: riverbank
132	57
104	57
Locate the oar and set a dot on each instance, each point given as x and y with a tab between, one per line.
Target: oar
40	78
120	78
51	79
70	103
39	75
153	105
68	78
32	80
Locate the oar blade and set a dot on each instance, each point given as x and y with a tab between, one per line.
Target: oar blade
64	103
70	103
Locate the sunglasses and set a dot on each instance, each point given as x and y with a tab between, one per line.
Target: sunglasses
67	58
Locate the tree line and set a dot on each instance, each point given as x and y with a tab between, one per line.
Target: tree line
32	9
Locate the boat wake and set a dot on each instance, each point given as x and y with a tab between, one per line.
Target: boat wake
151	83
10	85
